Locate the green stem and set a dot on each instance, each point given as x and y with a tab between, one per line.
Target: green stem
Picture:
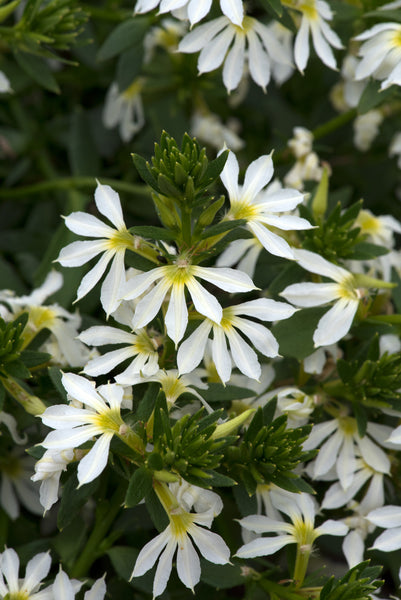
68	183
280	590
106	512
334	124
301	565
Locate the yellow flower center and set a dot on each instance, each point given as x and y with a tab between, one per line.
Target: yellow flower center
304	533
368	222
120	240
396	38
145	344
348	289
307	7
133	90
20	595
109	422
180	523
348	425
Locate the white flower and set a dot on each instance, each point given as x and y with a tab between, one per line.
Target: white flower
389	518
302	142
245	358
341	448
307	168
140	346
16	486
315	362
297	405
209	129
220	41
176	278
111	243
315	14
62	324
5	86
380	230
27	589
63	588
381	54
125	109
243	253
233	9
48	470
337	321
302	531
74	426
366	128
260	207
183	526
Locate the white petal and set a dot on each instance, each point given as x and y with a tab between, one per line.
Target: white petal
263	524
220	354
257	175
322	48
204	302
214	52
373	455
93	276
93	463
148	307
389	540
279	201
108	203
202	35
112	288
346	462
62	587
331	527
336	323
287	222
229	280
264	546
328	454
259	63
164	568
10	568
386	516
198	10
101	335
211	545
83	390
317	264
353	548
190	352
150	553
79	253
176	319
234	63
36	570
319	433
272	242
263	340
138	284
264	309
105	363
97	591
310	294
188	564
229	176
88	225
301	47
234	10
244	357
64	439
62	416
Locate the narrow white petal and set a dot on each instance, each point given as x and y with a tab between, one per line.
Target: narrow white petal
386	516
373	455
188	564
257	176
211	545
88	225
272	242
198	10
322	48
79	253
97	591
229	280
234	63
336	496
331	527
93	276
259	62
319	433
310	294
301	47
101	335
112	287
234	10
10	568
389	540
204	302
346	462
214	52
108	203
176	319
336	323
245	358
353	548
83	390
220	354
201	35
263	340
279	201
64	439
105	363
148	307
328	454
287	222
263	524
93	463
264	546
150	553
138	284
264	309
62	416
317	264
191	351
113	394
164	568
62	587
229	176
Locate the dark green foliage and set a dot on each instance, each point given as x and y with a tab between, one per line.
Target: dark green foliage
269	453
358	584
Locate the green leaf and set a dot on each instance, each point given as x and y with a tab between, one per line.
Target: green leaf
33	359
154	233
386	15
129	66
367	251
9	8
38	69
372	96
139	486
222	228
69	542
156	511
161	411
275	5
219	480
213	169
221	577
82	152
55	375
127	34
147	403
73	498
396	292
219	393
142	166
295	335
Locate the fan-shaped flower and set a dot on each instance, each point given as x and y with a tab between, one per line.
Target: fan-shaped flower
381	54
260	207
125	109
